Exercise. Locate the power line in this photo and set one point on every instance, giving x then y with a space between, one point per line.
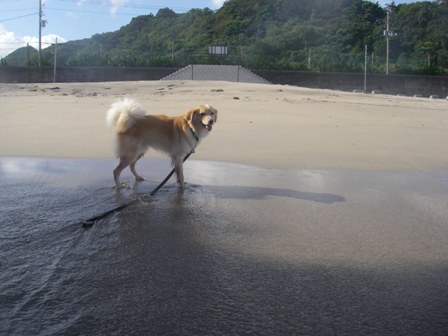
15 43
18 17
94 3
25 42
86 11
125 5
16 10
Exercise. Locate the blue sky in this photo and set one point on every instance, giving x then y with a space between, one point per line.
77 19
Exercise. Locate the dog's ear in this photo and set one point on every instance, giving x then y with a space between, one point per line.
194 111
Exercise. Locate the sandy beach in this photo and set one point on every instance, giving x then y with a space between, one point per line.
306 212
264 125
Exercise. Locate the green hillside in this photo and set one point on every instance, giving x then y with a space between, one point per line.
319 35
22 57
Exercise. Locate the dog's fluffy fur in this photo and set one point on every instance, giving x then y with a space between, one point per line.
176 136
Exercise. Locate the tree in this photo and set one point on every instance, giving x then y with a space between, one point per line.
358 26
166 12
274 34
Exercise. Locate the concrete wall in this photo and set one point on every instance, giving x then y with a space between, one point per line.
80 74
392 84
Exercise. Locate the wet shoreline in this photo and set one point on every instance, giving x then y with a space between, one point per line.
243 250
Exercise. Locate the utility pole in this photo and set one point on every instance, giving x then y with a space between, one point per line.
40 34
42 24
365 69
309 59
388 33
55 60
387 41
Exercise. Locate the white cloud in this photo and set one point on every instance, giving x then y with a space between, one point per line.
72 15
218 3
9 41
47 40
115 4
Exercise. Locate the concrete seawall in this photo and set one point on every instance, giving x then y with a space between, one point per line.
409 85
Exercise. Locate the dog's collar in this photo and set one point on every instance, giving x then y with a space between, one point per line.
194 134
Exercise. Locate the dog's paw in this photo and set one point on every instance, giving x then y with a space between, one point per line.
122 185
181 186
139 179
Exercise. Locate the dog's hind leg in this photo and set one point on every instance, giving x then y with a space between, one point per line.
124 162
134 172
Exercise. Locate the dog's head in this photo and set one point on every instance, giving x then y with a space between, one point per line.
203 116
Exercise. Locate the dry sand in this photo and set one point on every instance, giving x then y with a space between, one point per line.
271 126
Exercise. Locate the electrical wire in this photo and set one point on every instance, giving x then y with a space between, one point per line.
101 3
17 10
19 17
125 5
87 11
6 1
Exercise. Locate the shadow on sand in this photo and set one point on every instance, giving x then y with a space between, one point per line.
258 193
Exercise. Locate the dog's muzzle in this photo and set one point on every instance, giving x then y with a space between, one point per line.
208 126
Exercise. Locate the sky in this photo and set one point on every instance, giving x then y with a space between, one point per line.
68 20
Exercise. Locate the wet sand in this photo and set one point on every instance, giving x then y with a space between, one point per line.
269 252
340 229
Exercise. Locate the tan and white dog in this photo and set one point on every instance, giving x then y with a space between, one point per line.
176 136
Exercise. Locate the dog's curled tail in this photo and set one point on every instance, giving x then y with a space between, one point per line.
123 114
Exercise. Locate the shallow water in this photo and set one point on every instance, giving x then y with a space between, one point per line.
243 250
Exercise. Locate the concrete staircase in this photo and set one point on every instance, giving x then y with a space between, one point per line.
229 73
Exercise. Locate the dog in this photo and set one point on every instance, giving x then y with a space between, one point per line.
177 136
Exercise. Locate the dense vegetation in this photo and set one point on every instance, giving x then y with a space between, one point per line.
319 35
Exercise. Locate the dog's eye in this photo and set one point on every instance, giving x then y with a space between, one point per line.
212 113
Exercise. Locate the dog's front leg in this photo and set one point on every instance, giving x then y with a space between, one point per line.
179 169
124 162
